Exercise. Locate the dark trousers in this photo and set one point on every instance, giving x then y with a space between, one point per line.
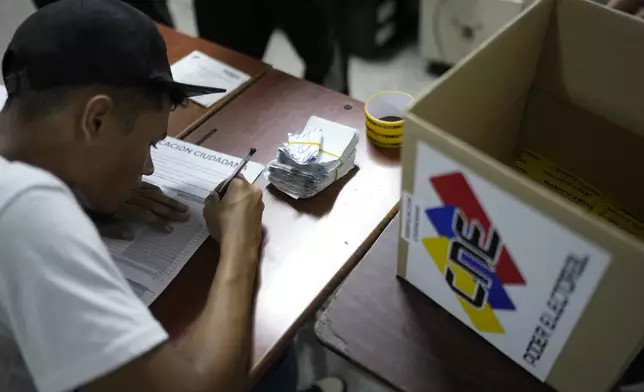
282 376
247 25
155 9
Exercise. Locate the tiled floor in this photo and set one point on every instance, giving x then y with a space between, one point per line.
404 72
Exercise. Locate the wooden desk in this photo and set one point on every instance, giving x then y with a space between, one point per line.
386 326
184 120
311 245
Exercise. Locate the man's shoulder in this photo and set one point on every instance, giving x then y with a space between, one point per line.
41 218
33 202
17 178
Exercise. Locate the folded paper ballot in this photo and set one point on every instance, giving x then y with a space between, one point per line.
313 159
304 147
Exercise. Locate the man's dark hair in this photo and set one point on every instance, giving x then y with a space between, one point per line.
128 101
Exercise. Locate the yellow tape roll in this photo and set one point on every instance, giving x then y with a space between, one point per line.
381 105
385 128
389 141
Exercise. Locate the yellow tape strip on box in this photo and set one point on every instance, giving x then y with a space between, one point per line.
578 191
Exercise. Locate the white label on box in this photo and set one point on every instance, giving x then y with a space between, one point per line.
518 278
407 211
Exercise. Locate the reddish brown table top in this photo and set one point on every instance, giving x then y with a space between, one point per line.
183 120
386 326
311 245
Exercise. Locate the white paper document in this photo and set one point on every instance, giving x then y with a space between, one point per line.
203 70
3 95
189 173
313 159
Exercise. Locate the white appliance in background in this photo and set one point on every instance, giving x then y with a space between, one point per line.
450 29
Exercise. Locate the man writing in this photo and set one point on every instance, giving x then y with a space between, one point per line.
89 93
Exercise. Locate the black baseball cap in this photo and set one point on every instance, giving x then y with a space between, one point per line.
86 42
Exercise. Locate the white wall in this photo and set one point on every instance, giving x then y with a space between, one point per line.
12 13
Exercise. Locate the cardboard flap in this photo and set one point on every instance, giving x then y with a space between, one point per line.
583 62
488 84
599 151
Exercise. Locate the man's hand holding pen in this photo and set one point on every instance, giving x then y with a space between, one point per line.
233 211
236 219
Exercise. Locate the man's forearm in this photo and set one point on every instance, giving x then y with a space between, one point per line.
219 342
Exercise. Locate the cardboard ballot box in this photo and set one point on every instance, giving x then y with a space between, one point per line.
550 284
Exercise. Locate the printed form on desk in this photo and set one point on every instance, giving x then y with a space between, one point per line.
200 69
188 173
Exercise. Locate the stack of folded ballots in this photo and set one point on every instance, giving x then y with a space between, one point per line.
310 161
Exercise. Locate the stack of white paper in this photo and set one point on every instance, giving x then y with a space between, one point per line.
312 160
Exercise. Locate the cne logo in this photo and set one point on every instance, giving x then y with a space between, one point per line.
470 253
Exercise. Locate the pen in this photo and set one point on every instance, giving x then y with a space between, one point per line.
223 187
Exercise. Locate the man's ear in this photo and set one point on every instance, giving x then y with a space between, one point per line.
95 116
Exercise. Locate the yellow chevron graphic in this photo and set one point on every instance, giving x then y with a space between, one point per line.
483 319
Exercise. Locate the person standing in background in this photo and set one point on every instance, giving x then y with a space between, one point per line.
247 25
157 10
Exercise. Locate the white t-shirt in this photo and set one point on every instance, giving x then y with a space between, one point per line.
67 315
